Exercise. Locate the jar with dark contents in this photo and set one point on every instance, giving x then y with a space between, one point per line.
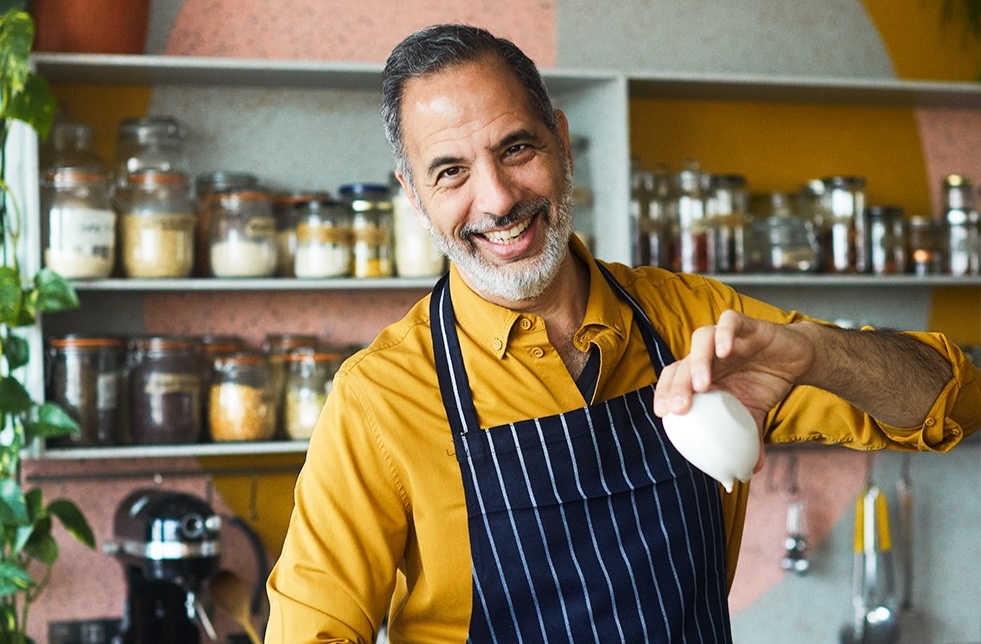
372 229
165 386
886 245
84 378
924 246
242 399
843 234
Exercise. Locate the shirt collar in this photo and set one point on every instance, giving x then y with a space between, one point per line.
490 325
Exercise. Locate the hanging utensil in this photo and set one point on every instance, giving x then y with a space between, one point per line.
795 544
904 495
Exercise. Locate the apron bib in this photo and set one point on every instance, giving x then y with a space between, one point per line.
586 526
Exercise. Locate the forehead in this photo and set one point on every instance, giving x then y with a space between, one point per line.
463 99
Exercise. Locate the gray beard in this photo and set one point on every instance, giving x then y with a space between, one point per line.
531 277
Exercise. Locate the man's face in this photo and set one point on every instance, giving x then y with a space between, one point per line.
493 183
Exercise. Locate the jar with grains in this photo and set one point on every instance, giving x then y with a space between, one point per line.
309 379
149 143
371 228
286 207
213 346
416 254
241 404
323 239
85 377
278 346
243 234
156 225
81 223
164 374
206 185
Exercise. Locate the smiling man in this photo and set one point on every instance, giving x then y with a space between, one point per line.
493 468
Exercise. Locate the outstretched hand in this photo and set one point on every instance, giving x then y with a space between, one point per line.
756 361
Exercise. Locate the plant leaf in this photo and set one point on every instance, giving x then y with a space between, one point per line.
34 105
16 39
73 520
13 578
42 545
14 399
13 505
16 350
55 293
49 421
11 296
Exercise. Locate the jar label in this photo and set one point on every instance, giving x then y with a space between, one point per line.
321 234
107 391
373 236
158 384
260 227
88 228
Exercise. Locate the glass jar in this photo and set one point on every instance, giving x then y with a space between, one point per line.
241 403
961 226
149 143
84 378
156 225
727 206
308 381
81 223
323 239
843 233
371 229
278 346
285 210
416 254
213 346
688 216
164 374
924 246
886 250
206 186
69 145
243 234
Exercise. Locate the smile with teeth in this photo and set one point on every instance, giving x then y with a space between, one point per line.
508 236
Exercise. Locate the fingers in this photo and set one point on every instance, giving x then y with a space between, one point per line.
694 373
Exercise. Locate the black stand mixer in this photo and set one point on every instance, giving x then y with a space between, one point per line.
169 545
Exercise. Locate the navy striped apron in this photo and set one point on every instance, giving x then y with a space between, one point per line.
586 526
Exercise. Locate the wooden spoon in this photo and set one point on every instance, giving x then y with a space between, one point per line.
230 595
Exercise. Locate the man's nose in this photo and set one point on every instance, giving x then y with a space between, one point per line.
496 190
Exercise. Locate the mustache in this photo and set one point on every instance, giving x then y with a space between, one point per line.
519 211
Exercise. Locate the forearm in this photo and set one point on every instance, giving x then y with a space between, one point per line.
888 375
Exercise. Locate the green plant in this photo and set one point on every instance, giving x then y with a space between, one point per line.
27 544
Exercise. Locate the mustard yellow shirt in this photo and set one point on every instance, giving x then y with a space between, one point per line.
379 524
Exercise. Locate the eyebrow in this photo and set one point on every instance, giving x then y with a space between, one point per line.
518 136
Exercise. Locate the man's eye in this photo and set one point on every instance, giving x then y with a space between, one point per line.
449 174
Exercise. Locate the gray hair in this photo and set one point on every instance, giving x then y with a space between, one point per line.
435 48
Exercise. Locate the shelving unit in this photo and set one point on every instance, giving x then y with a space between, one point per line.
338 103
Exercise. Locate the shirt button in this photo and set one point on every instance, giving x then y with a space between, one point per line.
497 344
525 324
537 352
930 422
